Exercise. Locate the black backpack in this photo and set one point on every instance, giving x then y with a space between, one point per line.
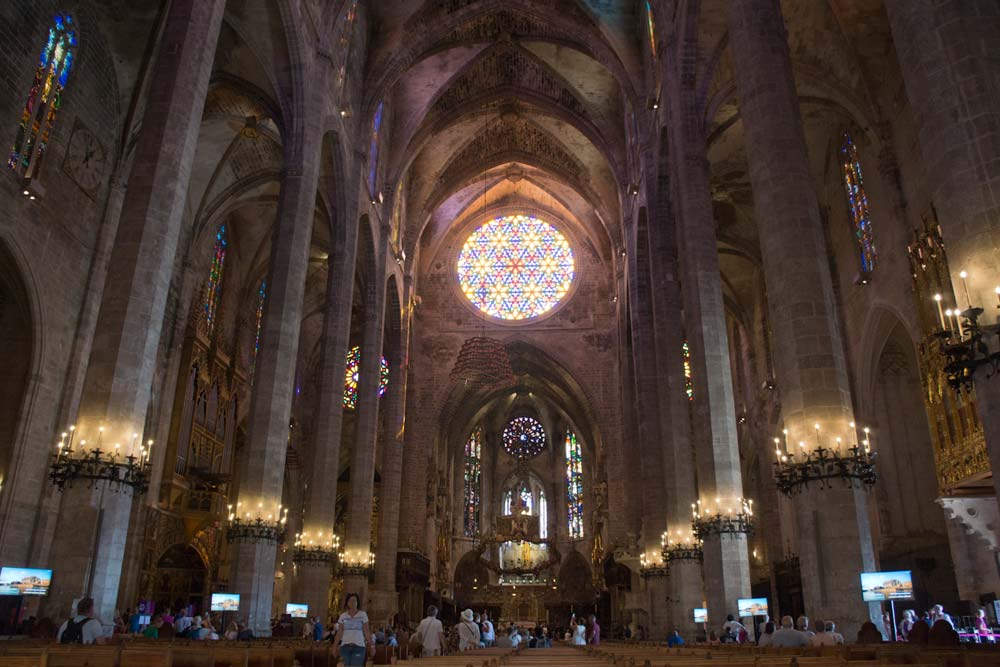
73 634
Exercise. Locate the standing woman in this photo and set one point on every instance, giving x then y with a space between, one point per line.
353 633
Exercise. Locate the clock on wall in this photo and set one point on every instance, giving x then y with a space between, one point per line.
85 159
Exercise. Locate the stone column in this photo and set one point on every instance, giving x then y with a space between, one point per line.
384 598
726 566
835 542
261 484
312 579
650 446
92 527
359 509
685 591
947 53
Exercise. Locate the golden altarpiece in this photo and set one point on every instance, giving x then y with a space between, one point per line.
960 455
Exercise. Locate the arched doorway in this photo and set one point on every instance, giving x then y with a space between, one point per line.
181 578
17 345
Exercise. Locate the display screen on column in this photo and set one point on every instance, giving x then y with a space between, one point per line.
700 615
24 581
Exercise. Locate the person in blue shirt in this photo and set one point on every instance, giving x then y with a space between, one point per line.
675 640
317 630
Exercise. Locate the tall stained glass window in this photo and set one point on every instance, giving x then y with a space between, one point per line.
352 375
213 290
528 499
574 485
543 516
857 204
374 147
651 28
515 267
344 40
44 97
258 323
688 382
508 502
473 479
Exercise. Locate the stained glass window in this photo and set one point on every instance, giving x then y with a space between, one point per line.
213 291
688 382
44 98
651 28
353 373
508 502
857 204
473 474
524 438
574 485
528 499
373 149
258 323
543 516
515 267
344 39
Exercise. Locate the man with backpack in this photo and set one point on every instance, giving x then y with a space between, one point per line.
82 628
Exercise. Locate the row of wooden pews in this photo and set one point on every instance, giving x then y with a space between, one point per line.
180 653
848 655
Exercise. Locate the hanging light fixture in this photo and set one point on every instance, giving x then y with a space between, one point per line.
483 362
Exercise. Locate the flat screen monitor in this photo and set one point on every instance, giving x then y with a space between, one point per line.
752 607
297 610
225 601
700 615
883 586
24 581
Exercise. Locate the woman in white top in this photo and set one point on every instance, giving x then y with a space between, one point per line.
579 634
352 633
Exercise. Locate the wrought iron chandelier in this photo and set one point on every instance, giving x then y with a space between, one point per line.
483 363
311 549
97 465
257 527
855 466
968 350
684 548
356 564
651 568
723 519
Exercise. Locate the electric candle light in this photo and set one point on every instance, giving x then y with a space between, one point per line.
965 285
937 298
996 290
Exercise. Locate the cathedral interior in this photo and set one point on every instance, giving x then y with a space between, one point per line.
624 307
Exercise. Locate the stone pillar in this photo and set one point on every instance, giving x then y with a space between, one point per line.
261 483
93 524
312 579
685 590
384 598
835 542
640 308
726 566
947 54
359 509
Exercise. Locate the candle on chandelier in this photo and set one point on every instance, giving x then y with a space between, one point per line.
816 426
996 290
937 298
965 285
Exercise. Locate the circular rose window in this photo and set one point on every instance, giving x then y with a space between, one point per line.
515 267
524 438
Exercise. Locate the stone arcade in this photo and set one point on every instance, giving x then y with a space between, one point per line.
626 307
